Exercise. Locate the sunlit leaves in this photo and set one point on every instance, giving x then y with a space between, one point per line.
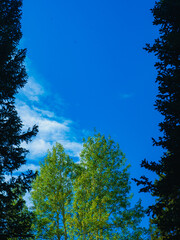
52 193
101 206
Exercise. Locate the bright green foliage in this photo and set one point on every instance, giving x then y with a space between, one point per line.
101 206
52 193
86 200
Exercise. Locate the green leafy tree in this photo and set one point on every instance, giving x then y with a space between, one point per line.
101 205
14 220
52 194
166 188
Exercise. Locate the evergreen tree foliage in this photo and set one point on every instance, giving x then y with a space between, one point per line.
166 189
15 220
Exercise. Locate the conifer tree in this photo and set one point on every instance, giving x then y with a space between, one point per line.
166 188
15 220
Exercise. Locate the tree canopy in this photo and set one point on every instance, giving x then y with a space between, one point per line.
166 188
52 194
101 207
86 200
15 220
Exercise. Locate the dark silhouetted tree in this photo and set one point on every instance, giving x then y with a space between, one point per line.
15 220
166 189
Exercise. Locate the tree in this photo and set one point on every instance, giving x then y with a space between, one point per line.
166 188
52 194
15 221
101 205
86 200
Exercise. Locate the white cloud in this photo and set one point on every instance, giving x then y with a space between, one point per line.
74 148
37 148
28 200
50 132
44 112
26 167
52 128
33 90
7 177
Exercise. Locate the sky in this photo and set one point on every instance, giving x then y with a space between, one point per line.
87 69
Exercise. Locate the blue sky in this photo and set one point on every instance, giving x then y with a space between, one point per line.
87 70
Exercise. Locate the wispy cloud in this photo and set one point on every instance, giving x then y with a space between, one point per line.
52 127
26 167
45 112
50 132
32 90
